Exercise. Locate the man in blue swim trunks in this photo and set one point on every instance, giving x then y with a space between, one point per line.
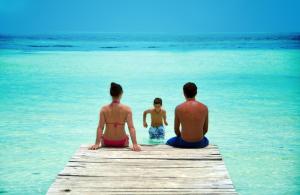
192 116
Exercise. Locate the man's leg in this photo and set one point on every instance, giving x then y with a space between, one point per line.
203 143
180 143
174 141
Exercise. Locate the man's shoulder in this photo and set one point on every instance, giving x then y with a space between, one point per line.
203 105
180 106
184 105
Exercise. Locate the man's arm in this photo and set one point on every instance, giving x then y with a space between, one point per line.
205 127
165 117
144 118
131 128
177 124
99 131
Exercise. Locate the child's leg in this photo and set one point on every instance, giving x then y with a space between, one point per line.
161 132
152 132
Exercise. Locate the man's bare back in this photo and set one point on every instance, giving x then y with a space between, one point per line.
193 118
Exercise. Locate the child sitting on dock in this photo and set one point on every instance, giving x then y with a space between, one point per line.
158 118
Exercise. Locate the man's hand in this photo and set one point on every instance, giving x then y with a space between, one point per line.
136 147
145 124
178 133
94 147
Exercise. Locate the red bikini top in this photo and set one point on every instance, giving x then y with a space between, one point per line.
115 123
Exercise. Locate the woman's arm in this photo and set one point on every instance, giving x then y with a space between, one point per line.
131 128
99 131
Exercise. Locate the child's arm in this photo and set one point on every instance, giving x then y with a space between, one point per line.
165 117
144 117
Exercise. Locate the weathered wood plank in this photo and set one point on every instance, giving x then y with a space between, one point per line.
151 147
147 163
110 189
144 184
158 169
169 192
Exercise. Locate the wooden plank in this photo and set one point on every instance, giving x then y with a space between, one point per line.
93 191
144 184
130 178
151 147
109 189
176 156
146 163
158 169
149 152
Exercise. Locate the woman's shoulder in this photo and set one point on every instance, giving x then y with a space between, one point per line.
105 107
125 107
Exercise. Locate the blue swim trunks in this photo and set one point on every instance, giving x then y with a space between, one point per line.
178 142
157 132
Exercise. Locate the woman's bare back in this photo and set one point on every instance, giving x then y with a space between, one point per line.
115 116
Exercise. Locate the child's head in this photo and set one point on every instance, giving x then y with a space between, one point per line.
157 103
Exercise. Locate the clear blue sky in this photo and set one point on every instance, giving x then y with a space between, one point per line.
168 16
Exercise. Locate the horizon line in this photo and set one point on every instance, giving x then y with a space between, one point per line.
120 32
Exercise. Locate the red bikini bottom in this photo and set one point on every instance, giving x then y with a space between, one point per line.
115 143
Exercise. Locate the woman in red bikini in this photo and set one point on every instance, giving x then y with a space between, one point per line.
113 117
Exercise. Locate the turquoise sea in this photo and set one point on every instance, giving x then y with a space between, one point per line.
52 88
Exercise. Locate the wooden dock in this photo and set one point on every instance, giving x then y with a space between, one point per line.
158 169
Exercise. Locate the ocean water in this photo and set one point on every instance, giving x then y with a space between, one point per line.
52 88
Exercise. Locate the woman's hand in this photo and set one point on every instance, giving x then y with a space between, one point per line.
136 148
94 147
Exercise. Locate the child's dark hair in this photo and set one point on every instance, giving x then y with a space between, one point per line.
157 101
115 89
190 90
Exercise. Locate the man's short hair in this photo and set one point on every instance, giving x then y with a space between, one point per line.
157 101
115 89
190 90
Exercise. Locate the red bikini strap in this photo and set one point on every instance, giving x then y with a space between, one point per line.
116 101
